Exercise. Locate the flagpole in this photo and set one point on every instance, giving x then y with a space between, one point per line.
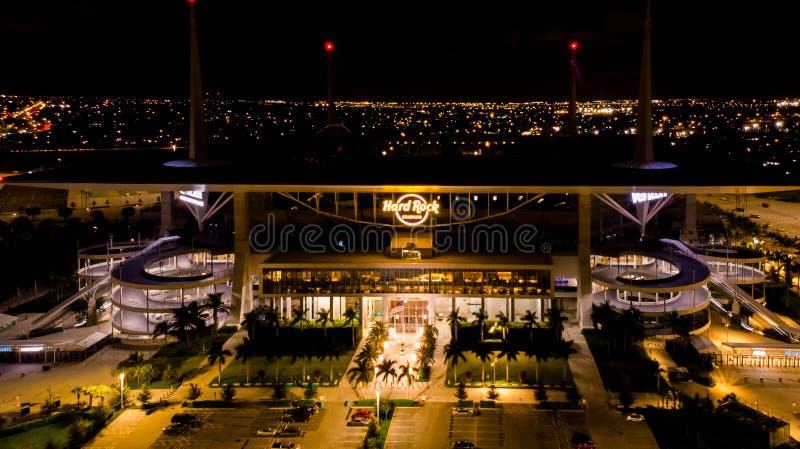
403 319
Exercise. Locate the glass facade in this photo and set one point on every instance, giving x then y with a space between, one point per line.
466 281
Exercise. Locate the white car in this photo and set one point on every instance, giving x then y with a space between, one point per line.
268 431
463 411
634 417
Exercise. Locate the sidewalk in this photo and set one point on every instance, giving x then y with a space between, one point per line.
606 426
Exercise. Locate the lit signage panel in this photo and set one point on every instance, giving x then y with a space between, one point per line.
192 197
642 197
411 209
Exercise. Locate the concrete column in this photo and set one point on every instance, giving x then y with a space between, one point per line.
689 233
242 290
167 214
583 313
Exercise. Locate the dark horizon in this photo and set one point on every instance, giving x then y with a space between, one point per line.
506 53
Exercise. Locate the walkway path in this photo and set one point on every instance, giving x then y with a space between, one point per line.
607 426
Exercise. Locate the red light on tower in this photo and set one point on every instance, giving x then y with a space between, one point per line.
191 2
573 45
329 46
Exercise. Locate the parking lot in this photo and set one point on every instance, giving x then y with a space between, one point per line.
234 428
514 425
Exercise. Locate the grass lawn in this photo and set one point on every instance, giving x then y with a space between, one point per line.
623 371
38 438
236 372
551 371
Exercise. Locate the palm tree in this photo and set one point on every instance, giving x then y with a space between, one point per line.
332 350
484 354
245 351
368 353
605 319
325 317
250 321
360 374
556 322
632 326
214 304
536 350
187 320
453 352
350 318
274 353
480 317
299 316
562 351
681 326
217 354
424 360
386 369
161 328
273 319
144 374
91 391
102 391
377 332
531 321
453 320
508 351
406 373
77 392
502 322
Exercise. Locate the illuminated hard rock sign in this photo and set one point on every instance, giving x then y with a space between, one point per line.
411 209
641 197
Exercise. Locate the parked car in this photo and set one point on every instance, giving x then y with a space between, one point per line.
269 431
175 428
463 444
358 422
361 414
187 419
291 432
581 440
284 445
463 411
634 417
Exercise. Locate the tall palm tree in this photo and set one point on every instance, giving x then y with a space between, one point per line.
423 359
274 353
378 331
77 392
350 318
216 354
246 350
272 319
214 304
480 317
299 316
453 352
508 351
325 317
331 350
361 373
453 320
531 321
102 391
632 325
162 328
406 373
555 320
537 351
502 322
605 319
187 321
562 351
386 369
251 320
484 354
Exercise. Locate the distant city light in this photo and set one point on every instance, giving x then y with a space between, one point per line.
329 46
573 45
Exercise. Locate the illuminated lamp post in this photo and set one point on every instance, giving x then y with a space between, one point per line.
122 381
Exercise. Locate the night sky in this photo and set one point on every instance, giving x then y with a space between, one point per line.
503 51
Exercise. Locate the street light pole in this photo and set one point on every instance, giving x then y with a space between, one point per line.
121 388
378 404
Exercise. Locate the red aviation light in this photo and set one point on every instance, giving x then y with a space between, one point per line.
329 46
191 2
573 45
